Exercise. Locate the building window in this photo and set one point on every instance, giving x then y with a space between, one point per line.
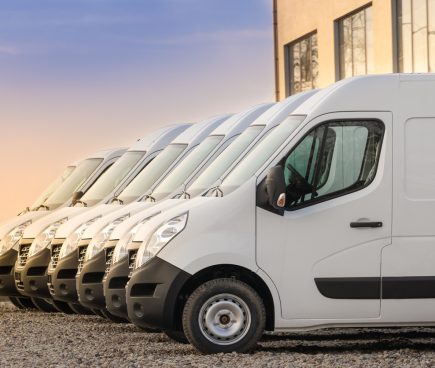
355 43
302 64
416 35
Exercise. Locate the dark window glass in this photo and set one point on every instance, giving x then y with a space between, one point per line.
355 38
334 158
416 35
303 66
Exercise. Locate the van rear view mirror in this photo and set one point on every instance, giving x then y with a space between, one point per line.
76 197
276 188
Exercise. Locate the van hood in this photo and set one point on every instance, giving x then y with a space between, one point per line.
40 225
145 211
116 213
12 223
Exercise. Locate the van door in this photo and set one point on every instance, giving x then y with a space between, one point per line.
324 252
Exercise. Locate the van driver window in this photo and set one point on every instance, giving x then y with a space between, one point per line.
333 159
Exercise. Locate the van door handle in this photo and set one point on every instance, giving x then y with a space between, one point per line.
360 224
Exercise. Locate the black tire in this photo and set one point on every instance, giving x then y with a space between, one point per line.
98 313
16 302
240 311
79 309
62 307
111 317
26 303
44 306
177 336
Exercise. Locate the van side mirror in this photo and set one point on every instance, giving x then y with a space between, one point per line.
276 187
76 197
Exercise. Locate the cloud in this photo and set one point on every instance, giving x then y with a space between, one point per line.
8 50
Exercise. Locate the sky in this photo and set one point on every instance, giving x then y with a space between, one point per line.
77 76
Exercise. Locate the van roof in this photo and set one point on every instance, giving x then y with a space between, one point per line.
197 132
380 92
279 111
159 139
237 123
108 153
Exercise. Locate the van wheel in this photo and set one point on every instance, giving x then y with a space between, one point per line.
44 306
224 315
26 303
16 302
62 307
177 336
79 309
111 317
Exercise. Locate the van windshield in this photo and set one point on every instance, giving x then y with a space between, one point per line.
260 154
223 162
73 183
152 172
187 167
53 186
107 182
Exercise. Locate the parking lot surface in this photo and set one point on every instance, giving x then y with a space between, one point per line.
36 339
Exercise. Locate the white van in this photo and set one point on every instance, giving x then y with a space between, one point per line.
11 232
33 256
302 235
117 263
74 228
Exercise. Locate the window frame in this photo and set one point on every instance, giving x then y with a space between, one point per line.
288 62
337 38
344 191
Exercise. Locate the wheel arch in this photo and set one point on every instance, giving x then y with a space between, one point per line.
226 271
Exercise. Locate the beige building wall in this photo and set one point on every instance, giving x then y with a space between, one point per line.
296 18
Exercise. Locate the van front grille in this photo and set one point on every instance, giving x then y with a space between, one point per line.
109 257
132 254
55 251
23 253
82 253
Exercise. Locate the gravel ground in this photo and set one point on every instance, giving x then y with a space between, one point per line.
35 339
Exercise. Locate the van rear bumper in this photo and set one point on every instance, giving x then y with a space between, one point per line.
152 294
114 288
7 281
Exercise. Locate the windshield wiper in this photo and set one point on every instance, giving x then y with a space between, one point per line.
42 206
215 192
148 196
116 199
27 209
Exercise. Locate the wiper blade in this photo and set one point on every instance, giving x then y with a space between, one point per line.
116 199
148 196
215 192
42 206
27 209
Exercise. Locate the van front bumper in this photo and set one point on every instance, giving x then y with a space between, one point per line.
31 279
89 282
62 279
152 294
7 281
114 288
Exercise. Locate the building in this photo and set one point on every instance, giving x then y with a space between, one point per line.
318 42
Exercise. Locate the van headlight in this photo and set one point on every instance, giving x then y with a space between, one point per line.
99 241
161 236
121 248
72 241
14 236
43 240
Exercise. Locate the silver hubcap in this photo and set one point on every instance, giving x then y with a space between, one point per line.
224 319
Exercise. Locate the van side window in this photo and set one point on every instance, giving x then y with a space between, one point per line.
333 159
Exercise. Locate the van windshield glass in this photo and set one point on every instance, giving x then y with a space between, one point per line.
152 172
53 186
223 162
73 183
107 182
187 167
260 154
